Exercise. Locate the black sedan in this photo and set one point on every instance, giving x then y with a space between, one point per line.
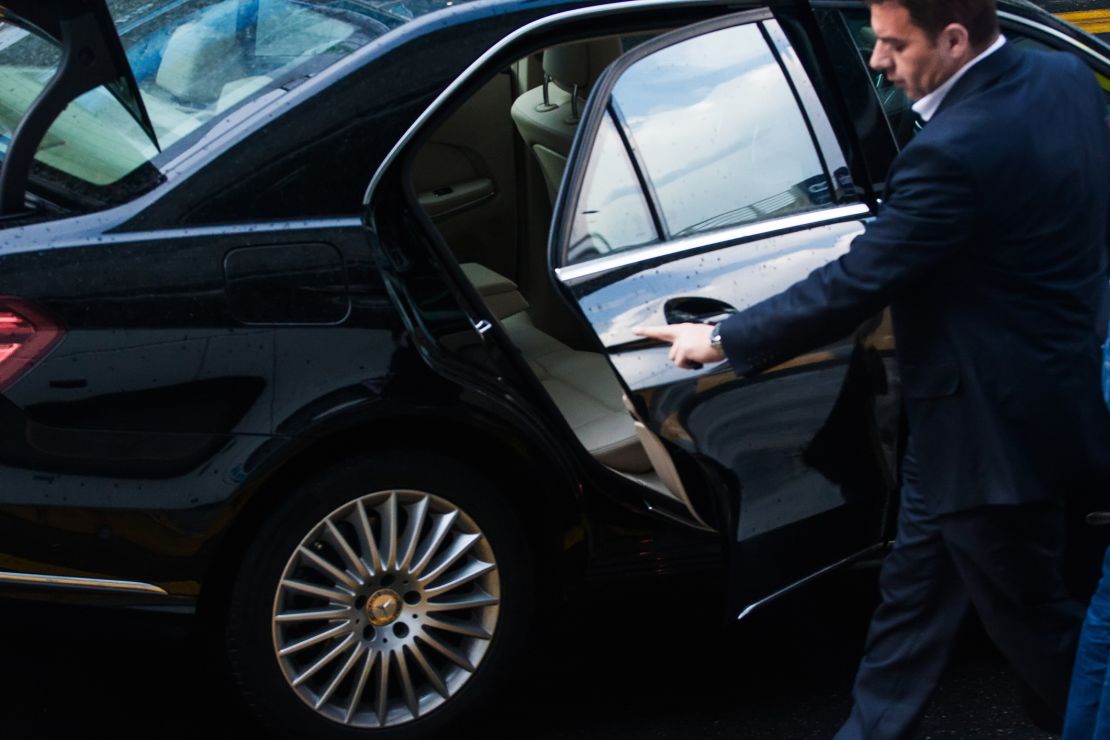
316 321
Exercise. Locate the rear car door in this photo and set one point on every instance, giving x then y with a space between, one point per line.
705 177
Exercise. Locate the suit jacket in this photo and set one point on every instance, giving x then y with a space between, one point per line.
991 249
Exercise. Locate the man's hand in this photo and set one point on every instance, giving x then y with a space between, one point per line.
690 346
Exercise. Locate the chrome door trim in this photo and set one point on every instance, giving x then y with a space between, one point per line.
551 20
88 584
571 274
813 576
1029 23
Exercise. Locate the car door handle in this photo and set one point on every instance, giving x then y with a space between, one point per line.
456 196
696 310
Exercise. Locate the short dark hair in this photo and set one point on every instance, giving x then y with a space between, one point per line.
979 17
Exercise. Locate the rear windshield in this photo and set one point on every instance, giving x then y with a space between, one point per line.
193 60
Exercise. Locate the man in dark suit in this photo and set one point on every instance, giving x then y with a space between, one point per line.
991 249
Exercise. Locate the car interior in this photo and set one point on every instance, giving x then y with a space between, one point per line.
223 54
488 178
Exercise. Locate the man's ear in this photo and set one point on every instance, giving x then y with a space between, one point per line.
955 40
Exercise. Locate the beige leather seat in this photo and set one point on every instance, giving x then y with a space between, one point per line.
196 64
547 116
580 383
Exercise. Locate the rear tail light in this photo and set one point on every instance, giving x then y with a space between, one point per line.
27 334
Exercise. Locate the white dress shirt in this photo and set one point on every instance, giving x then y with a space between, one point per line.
927 106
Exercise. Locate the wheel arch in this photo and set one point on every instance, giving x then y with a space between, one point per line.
543 493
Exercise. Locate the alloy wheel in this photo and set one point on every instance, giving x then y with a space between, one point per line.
386 608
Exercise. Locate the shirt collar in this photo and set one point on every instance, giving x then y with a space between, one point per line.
927 106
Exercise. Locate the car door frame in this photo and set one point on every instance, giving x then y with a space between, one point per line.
544 31
826 144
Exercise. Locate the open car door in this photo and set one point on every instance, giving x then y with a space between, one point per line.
91 56
705 177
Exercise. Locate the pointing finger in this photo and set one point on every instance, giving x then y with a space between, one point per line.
662 333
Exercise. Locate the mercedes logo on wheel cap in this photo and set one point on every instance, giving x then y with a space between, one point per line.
383 607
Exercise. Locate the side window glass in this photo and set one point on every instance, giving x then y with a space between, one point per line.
612 212
27 63
96 140
856 84
719 133
896 106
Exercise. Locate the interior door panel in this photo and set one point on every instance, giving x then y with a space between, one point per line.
464 177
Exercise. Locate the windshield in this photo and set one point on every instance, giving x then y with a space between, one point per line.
193 61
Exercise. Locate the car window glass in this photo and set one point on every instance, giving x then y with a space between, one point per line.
193 60
96 140
720 133
26 64
612 212
860 103
196 59
895 104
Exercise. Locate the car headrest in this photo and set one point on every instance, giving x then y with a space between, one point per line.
194 62
580 63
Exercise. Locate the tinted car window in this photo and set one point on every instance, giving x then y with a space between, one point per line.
193 60
720 133
860 103
612 211
199 58
896 106
24 60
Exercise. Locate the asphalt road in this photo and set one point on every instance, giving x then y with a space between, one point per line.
635 666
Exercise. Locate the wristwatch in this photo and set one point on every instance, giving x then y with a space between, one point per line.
715 338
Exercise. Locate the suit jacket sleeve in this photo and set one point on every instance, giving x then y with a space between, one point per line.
926 220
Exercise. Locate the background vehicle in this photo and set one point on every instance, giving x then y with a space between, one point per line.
1093 16
372 442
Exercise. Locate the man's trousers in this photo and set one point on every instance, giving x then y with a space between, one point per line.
1006 563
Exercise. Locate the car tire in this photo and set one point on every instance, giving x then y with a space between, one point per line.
415 636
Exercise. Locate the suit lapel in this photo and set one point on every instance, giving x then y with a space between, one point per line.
982 75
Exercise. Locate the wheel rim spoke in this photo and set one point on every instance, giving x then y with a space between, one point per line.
466 574
438 534
325 567
381 706
316 639
356 696
367 541
342 674
409 540
462 601
332 595
455 551
386 608
340 541
411 699
429 670
448 652
314 615
459 628
389 532
328 658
